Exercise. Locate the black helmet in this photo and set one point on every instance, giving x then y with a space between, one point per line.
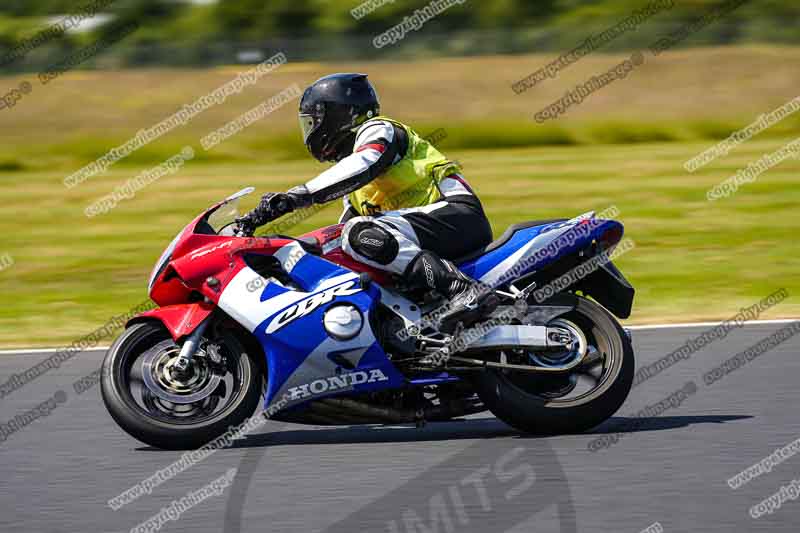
330 111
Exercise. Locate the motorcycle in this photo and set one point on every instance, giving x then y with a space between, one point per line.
326 340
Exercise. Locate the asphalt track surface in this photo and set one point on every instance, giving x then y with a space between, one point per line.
476 475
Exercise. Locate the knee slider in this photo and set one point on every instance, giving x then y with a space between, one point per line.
373 242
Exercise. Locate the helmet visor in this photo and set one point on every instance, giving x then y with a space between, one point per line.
306 126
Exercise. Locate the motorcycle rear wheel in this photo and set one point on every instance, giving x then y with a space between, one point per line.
536 404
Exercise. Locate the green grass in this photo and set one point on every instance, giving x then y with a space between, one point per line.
682 96
693 260
625 146
460 135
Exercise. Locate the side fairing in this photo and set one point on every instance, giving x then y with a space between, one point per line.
304 362
532 248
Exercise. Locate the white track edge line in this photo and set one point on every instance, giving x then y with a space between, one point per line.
711 324
638 327
46 350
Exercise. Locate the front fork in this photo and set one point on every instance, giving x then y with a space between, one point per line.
189 348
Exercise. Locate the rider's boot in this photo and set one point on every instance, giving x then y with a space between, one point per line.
468 301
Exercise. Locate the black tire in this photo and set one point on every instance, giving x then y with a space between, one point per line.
156 431
531 413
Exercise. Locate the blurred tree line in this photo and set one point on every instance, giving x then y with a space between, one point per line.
195 32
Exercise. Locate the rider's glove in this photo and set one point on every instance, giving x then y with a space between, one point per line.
274 205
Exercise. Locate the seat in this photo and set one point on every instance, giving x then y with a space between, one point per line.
504 238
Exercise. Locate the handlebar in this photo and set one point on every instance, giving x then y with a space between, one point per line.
240 229
272 207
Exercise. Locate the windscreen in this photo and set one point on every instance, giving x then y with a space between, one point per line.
221 220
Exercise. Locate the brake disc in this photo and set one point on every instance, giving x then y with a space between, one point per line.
162 378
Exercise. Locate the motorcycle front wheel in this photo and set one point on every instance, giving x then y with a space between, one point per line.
156 404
